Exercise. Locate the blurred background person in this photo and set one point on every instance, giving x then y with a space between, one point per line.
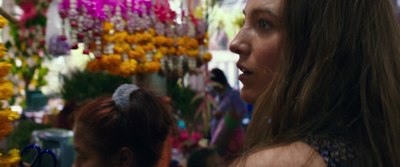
227 132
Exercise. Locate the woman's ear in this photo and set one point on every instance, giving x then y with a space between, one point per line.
125 157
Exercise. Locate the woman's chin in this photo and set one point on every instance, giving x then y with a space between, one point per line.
248 96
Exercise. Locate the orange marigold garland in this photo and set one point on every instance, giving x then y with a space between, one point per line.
6 115
146 37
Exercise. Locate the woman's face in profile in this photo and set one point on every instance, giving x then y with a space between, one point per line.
258 44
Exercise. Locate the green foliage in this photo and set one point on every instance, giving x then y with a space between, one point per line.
182 101
203 111
83 85
21 135
194 108
35 73
39 19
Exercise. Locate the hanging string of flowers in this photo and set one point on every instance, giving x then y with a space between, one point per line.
6 115
127 37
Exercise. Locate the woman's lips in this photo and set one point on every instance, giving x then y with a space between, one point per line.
244 76
245 73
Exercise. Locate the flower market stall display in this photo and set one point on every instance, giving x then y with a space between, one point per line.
27 49
6 115
128 37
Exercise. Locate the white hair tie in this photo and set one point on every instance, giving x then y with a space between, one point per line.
122 94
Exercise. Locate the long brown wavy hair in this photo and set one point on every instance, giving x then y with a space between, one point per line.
339 74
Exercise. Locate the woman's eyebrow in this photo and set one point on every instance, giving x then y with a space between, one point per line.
262 10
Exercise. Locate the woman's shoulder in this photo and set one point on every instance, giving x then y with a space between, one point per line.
295 154
334 149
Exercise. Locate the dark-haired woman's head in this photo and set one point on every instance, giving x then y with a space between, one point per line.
109 133
220 83
217 75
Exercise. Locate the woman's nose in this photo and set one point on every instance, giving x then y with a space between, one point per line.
240 44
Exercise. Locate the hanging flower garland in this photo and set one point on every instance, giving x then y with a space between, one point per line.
6 115
127 37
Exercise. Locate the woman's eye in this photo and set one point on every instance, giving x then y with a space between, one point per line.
263 24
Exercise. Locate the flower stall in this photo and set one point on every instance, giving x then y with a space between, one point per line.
125 41
141 38
129 37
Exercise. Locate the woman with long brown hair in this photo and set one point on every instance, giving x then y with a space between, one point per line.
324 76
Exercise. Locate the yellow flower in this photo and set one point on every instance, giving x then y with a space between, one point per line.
147 36
170 41
131 38
11 160
152 32
6 89
207 57
181 41
138 53
13 116
158 56
118 49
198 12
133 54
3 50
160 40
111 62
120 36
140 49
126 47
193 43
163 50
93 66
3 22
139 37
128 67
7 115
152 66
4 69
181 50
108 37
149 47
107 26
193 53
171 51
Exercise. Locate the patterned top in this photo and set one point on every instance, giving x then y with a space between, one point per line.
336 151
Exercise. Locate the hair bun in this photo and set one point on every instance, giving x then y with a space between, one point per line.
121 95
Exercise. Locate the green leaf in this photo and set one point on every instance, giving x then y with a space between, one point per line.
21 135
82 85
